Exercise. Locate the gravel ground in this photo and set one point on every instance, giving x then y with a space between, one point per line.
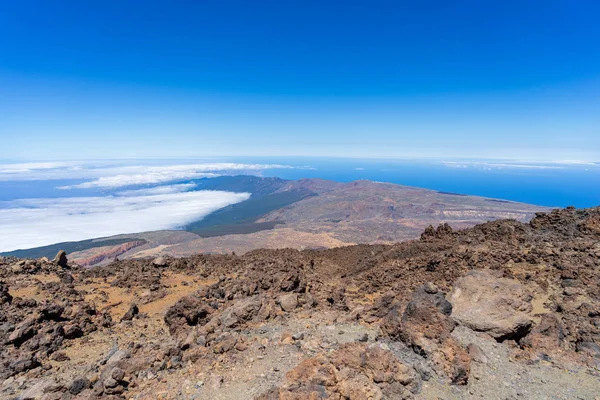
501 378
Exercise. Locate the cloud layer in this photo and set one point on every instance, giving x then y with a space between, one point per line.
162 202
30 223
114 175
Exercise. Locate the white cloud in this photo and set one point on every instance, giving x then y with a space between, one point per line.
143 175
22 168
486 165
113 174
30 223
168 189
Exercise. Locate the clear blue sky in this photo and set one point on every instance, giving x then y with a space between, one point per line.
514 79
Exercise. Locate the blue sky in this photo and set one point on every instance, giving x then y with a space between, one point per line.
116 79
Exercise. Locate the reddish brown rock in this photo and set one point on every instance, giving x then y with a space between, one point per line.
426 327
188 311
545 341
355 371
498 306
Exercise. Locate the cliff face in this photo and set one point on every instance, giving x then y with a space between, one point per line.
498 310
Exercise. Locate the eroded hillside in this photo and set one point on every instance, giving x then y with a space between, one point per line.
502 310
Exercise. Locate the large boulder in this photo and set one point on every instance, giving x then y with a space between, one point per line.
160 261
241 312
355 371
288 302
425 326
23 332
187 311
61 259
545 341
500 307
5 296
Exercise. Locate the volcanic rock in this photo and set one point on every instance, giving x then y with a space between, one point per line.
242 311
132 312
355 371
79 385
288 302
160 261
546 339
426 327
61 259
5 297
23 332
188 311
500 307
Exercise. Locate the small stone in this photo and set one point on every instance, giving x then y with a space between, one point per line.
117 374
430 288
72 331
288 302
160 261
59 356
132 312
79 385
477 354
110 383
287 338
241 346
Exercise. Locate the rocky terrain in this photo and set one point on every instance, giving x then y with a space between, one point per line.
502 310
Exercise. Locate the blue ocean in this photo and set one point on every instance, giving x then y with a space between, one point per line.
546 184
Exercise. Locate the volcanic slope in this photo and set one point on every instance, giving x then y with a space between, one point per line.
501 310
309 213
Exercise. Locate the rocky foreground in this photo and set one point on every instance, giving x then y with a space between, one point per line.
504 310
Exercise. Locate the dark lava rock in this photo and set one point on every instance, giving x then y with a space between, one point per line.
61 259
589 348
24 364
79 385
132 312
426 327
23 332
188 311
51 312
73 331
5 297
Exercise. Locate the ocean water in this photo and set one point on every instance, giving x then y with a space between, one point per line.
546 184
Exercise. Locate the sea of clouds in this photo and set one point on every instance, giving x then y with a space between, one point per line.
138 198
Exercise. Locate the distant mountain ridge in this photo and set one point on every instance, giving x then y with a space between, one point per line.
305 213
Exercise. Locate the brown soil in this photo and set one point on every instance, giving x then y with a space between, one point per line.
292 324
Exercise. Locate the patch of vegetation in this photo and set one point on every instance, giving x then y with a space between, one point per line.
70 247
242 183
237 228
498 201
452 194
241 217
